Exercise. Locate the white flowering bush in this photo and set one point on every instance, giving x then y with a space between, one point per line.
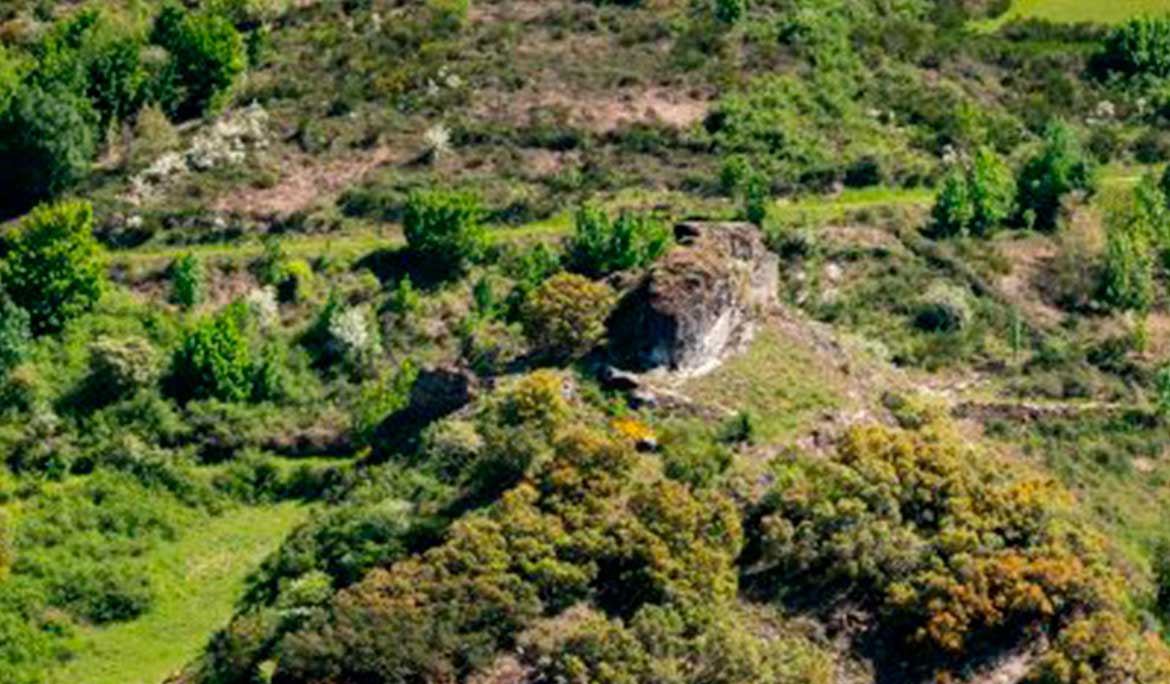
226 142
437 140
352 334
263 305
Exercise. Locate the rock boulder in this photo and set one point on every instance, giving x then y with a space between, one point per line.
699 302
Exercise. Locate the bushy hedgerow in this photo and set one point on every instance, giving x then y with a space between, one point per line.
601 245
565 316
1061 167
953 551
54 269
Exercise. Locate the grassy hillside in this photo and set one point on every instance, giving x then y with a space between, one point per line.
202 575
326 342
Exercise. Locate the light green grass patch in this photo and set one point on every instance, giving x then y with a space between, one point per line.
837 207
1072 11
778 381
197 579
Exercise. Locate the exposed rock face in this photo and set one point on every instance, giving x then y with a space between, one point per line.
700 301
437 393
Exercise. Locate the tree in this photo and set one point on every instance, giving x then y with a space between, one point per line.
601 245
54 269
1059 168
117 77
46 144
444 229
565 316
207 54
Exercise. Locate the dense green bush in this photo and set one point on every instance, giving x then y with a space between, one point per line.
214 359
207 54
102 592
118 80
186 275
975 198
602 245
1058 169
1137 235
565 317
47 141
54 267
1138 47
15 334
444 229
120 367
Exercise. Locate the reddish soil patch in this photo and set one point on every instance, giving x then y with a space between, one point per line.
305 183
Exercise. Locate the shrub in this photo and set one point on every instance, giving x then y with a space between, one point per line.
565 317
955 549
1060 167
207 54
213 360
54 269
186 274
583 529
601 245
729 11
976 198
154 135
118 367
102 592
943 308
47 142
1128 270
15 334
444 230
380 398
529 269
1140 46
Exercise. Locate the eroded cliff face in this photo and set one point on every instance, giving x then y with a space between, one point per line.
700 302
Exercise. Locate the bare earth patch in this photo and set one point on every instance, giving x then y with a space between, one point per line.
1030 258
600 112
304 184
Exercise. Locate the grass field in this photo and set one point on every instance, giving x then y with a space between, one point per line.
198 579
1103 11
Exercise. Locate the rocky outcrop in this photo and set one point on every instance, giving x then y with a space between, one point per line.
436 393
699 302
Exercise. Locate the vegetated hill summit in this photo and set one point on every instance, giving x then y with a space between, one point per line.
672 341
